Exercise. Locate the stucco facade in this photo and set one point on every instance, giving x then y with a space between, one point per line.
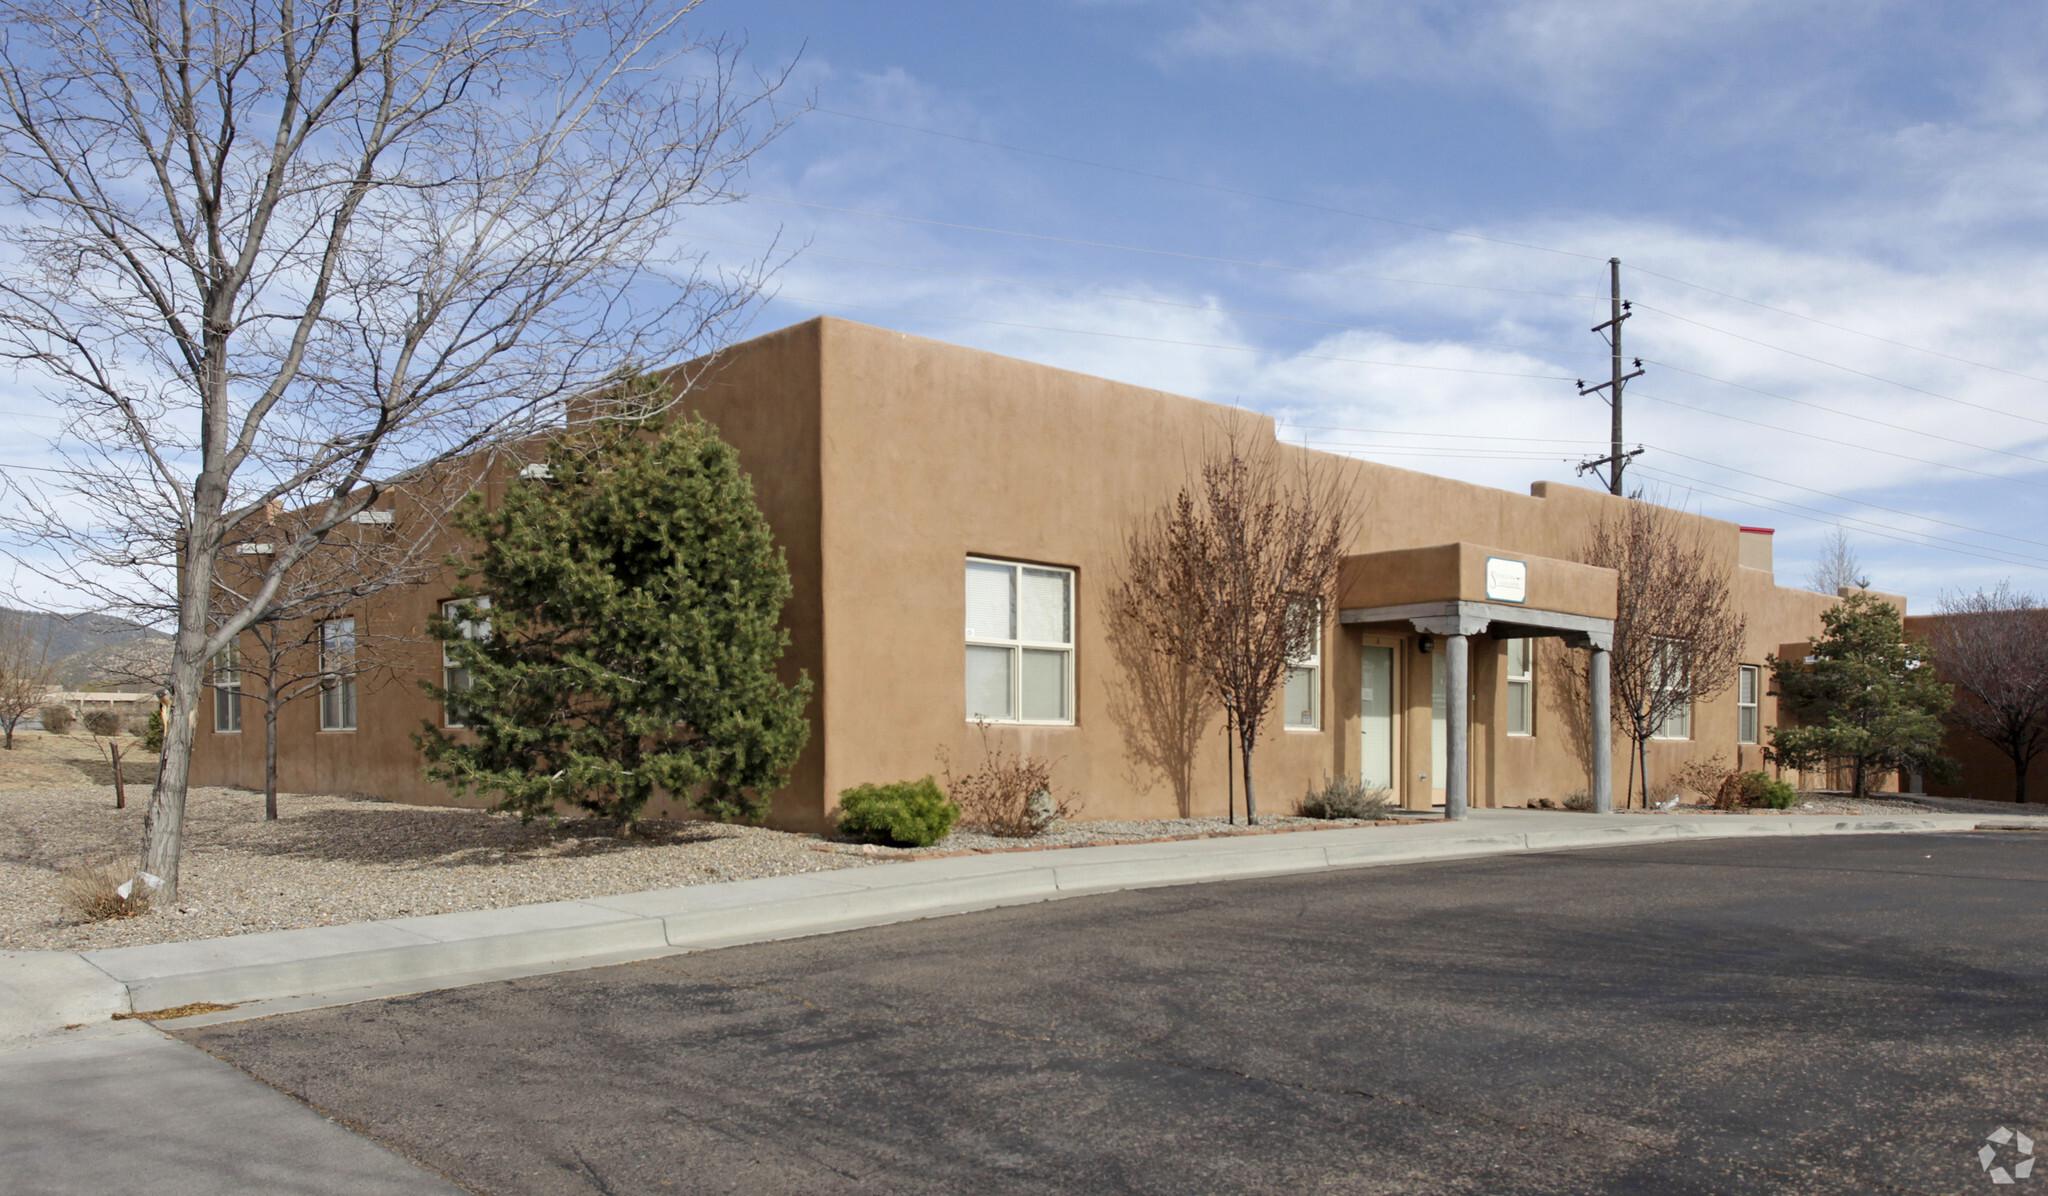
885 462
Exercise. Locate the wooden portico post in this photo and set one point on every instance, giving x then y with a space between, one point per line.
1603 732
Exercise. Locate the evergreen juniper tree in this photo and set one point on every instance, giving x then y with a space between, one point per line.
620 634
1869 697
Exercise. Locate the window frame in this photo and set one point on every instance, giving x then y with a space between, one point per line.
1521 687
1017 645
477 630
1666 683
338 706
1753 709
227 689
1310 665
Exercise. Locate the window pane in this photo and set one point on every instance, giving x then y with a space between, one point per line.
1746 679
988 682
1518 708
991 605
1518 658
1302 686
1046 609
1045 685
1746 724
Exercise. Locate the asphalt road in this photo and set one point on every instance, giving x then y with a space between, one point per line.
1807 1015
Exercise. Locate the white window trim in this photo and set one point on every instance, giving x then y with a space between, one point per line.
480 629
1755 705
227 690
1661 733
1312 664
1018 647
336 679
1526 679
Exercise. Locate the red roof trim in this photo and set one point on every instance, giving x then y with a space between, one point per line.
1761 531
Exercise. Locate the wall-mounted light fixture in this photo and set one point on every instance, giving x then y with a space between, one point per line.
1427 644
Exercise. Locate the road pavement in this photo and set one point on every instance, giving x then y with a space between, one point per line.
1787 1015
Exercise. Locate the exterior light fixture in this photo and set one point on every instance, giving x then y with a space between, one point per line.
1427 643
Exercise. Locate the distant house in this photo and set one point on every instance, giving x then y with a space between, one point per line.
950 518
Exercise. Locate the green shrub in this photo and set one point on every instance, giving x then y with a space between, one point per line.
906 814
56 719
1746 790
1773 794
153 731
1345 797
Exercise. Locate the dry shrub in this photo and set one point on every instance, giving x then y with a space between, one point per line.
1704 777
92 892
1346 797
103 723
56 718
1011 795
1579 801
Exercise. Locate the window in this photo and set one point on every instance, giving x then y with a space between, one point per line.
1668 674
227 690
1748 711
1020 642
338 675
455 678
1304 693
1521 670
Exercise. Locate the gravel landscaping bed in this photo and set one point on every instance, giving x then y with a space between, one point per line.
1840 803
1097 834
350 859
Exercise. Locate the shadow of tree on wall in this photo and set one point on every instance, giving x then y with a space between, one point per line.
1569 702
1163 707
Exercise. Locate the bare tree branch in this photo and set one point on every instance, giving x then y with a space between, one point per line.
1993 646
299 253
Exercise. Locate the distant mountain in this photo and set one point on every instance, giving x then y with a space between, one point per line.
100 651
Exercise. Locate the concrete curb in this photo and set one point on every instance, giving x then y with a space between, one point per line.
44 991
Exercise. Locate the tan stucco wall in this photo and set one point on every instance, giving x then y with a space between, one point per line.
883 461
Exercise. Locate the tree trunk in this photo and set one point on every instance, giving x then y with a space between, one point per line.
120 787
1856 780
2019 779
1229 777
270 754
163 828
1643 754
1244 754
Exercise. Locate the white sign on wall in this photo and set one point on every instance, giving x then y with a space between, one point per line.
1506 580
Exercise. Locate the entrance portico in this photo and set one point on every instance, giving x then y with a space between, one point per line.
1453 592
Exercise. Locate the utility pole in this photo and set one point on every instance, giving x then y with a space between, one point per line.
1616 460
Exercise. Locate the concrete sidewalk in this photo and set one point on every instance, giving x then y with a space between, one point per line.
125 1107
41 992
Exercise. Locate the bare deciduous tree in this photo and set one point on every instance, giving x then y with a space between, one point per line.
301 253
1839 568
1677 634
1235 577
341 577
25 670
1993 646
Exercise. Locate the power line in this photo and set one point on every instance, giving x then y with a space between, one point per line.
1676 453
1847 369
1868 419
1997 369
1194 257
1844 443
1782 506
1450 232
1175 303
1159 340
1217 187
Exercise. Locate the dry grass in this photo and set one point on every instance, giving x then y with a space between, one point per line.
157 1015
41 760
92 892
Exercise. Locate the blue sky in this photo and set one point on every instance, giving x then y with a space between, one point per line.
1875 167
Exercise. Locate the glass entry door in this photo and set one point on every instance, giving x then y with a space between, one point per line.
1376 718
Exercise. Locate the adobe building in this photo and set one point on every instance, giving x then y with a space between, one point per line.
951 519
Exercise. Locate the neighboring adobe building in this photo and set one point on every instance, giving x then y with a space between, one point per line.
950 518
